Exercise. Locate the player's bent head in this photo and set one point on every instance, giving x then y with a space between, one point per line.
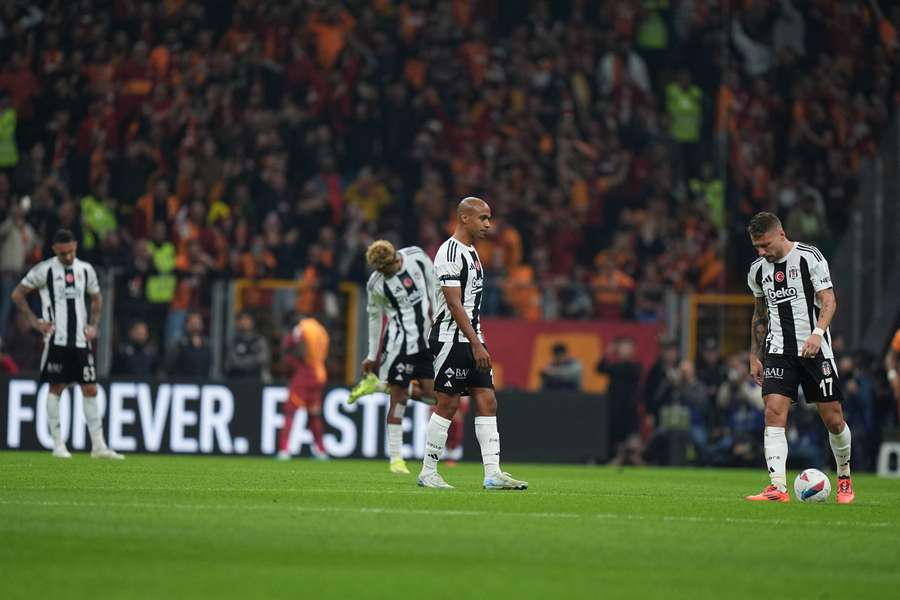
381 254
762 223
64 245
767 236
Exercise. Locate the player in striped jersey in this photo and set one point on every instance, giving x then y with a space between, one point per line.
461 360
791 346
68 332
402 287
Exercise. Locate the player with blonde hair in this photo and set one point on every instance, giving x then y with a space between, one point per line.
400 292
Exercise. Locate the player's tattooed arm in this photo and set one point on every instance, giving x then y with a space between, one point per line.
18 297
829 307
94 321
760 329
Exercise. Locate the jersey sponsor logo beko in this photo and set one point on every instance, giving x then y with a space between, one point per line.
774 373
782 295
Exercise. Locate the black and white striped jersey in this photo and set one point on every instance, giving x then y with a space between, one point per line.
790 287
407 297
457 265
62 291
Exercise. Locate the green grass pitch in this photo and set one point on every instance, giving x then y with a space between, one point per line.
178 527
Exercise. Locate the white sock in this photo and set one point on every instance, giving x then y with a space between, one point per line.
395 440
775 444
435 440
53 419
840 446
489 440
94 422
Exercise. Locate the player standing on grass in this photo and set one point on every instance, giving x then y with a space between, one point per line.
403 287
305 350
791 345
68 333
461 361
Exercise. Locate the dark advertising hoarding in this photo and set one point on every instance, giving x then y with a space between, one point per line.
244 419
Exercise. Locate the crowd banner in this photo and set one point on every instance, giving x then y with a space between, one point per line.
244 418
521 349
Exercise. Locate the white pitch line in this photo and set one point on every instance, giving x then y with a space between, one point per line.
456 513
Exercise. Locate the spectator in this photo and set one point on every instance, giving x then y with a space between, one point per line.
710 367
563 372
661 374
18 242
369 194
624 374
191 355
136 357
9 151
248 354
684 103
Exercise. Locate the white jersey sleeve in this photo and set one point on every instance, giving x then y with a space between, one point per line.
820 276
448 265
36 278
375 309
92 285
751 279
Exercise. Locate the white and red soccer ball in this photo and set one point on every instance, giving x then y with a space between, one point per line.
812 485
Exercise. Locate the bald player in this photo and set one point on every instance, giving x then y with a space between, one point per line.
461 360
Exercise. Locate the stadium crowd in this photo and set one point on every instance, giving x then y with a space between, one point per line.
619 143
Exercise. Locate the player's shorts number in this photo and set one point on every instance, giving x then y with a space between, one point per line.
827 386
89 373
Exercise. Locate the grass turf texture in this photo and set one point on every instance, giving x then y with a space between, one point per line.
161 527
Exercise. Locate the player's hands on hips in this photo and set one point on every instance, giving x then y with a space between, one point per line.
90 332
482 358
811 346
756 369
368 366
45 327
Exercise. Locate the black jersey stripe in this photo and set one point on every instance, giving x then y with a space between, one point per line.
52 293
398 315
463 282
785 312
808 293
71 313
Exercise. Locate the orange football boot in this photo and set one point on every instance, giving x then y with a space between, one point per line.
770 494
845 494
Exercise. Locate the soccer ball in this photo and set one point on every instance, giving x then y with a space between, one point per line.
812 485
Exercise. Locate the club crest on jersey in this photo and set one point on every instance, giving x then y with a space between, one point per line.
779 276
826 369
794 273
